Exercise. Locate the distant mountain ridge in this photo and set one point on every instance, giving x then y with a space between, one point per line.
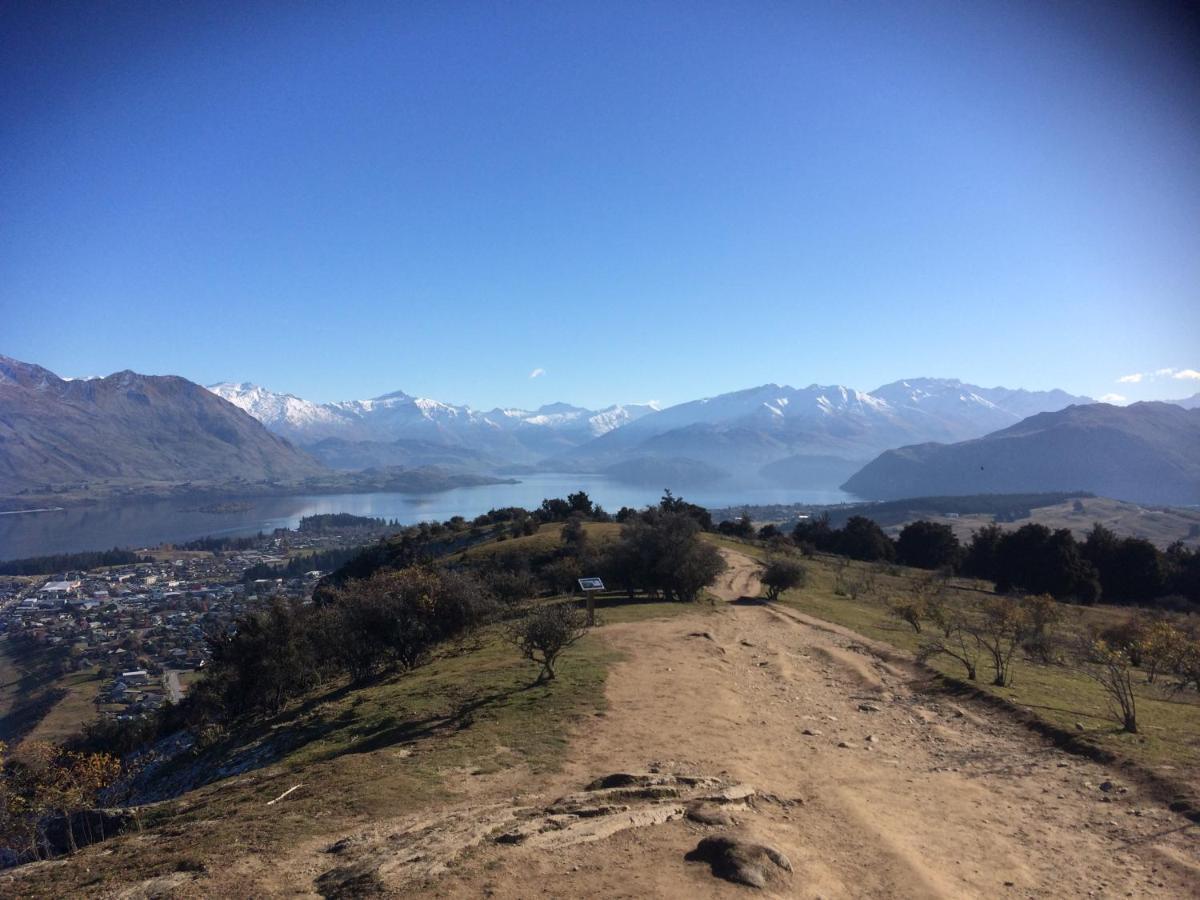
1144 453
817 430
498 435
772 433
130 428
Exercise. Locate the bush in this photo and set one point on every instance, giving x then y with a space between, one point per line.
782 574
543 634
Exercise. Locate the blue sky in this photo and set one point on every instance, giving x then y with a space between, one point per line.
642 201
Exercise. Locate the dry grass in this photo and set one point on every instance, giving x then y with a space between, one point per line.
365 755
1169 741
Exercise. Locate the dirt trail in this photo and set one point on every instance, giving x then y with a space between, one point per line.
867 786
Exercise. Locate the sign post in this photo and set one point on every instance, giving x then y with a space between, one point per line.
589 586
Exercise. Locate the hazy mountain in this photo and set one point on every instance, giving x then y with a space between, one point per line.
820 430
1146 452
501 435
964 411
1192 402
130 428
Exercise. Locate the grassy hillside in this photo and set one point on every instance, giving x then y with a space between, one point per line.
1170 726
455 727
545 541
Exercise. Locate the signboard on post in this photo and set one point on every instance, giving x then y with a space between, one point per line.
588 586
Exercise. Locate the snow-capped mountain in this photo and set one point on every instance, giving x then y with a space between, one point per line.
957 411
805 432
501 435
821 428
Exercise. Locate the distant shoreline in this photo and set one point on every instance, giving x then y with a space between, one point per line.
415 483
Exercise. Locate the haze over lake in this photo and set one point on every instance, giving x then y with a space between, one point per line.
174 521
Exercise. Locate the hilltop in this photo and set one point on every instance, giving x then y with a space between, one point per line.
803 725
1146 452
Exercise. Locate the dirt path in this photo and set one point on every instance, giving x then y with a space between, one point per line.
867 786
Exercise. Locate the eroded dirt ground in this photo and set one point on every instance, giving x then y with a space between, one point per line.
756 722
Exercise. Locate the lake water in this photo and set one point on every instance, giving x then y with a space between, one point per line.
147 524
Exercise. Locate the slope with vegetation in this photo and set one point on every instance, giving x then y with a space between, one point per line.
441 720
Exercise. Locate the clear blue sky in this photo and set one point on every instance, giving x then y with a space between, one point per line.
646 200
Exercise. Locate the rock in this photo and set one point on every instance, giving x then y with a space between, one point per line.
1107 786
1079 726
843 745
740 861
871 739
811 732
868 707
709 814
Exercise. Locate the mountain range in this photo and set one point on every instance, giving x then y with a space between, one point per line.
799 437
130 428
909 437
1145 453
398 428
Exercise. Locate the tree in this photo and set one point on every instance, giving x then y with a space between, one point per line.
981 559
546 632
574 535
1160 647
1035 559
927 545
672 504
782 574
999 630
955 641
1112 669
863 539
662 552
580 503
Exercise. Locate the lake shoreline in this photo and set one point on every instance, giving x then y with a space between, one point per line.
142 522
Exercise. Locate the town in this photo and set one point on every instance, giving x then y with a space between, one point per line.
140 632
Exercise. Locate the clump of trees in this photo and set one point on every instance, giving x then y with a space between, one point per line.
388 622
43 782
1031 559
995 628
659 551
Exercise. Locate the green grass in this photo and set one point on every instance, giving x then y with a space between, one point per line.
544 541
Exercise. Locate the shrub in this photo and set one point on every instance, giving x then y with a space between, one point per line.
543 634
782 574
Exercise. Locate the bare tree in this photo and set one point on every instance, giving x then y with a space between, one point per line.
1112 670
954 640
999 629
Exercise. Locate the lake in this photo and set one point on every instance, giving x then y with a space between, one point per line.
146 524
